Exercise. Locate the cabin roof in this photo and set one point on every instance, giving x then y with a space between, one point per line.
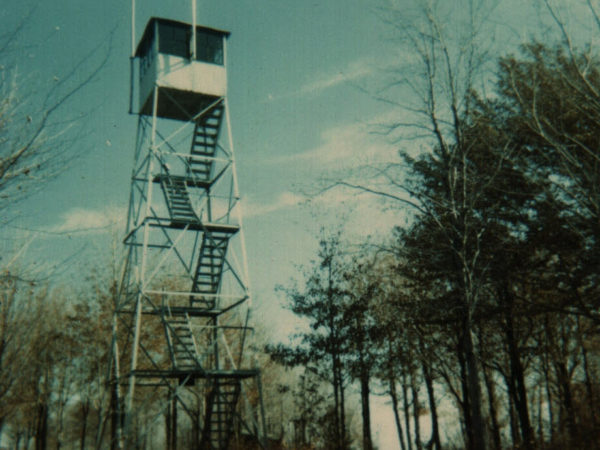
149 30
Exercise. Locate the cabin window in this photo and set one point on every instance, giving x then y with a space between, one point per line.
173 39
147 55
209 47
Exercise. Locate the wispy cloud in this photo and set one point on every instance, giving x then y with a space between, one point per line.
82 220
284 200
342 147
361 213
354 72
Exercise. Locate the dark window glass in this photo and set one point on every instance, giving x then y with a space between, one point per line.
146 55
209 47
174 39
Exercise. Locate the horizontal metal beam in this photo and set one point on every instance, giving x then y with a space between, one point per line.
198 373
190 310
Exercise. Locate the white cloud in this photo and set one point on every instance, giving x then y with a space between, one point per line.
284 200
361 213
80 220
356 70
343 147
353 72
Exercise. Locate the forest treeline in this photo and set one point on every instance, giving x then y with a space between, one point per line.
54 355
479 319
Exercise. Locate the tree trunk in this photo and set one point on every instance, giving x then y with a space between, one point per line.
491 394
416 412
342 412
466 402
567 411
514 428
540 415
406 411
366 410
41 432
336 401
518 377
566 399
101 420
338 388
588 377
434 441
548 387
477 419
394 397
85 408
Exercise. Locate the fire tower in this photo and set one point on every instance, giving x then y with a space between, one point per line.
181 323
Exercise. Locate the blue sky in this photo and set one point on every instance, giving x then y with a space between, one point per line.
297 113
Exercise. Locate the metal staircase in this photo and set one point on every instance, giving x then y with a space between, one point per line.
204 143
211 260
220 412
177 200
182 345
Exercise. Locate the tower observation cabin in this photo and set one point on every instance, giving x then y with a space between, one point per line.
188 68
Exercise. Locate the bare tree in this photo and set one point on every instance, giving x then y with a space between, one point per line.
37 131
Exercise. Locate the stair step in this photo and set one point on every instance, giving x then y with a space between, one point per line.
207 128
213 126
177 198
205 139
212 247
205 154
221 408
181 342
211 260
209 131
204 142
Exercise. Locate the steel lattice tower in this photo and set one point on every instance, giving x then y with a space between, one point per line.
181 324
